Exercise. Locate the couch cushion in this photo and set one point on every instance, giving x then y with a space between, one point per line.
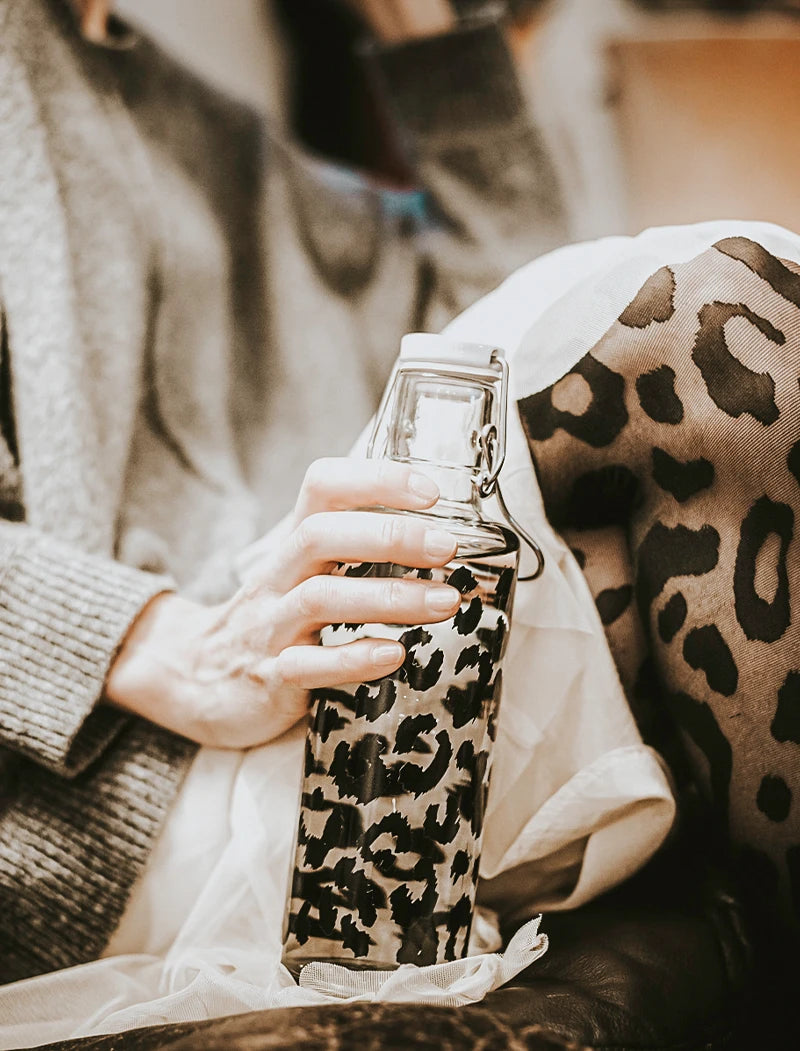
390 1027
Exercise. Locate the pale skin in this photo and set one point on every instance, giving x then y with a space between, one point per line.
93 15
236 675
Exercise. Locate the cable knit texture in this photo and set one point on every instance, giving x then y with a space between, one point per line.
159 375
64 615
70 855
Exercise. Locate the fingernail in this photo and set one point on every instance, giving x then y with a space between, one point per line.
441 599
439 544
387 653
420 485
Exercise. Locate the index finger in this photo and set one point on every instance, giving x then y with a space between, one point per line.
340 484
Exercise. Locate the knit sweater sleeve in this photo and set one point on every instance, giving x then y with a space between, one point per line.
471 134
63 617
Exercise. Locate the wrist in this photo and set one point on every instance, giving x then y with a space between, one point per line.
150 672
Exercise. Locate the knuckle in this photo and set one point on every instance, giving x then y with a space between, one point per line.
387 473
306 535
316 475
392 531
285 668
351 660
396 594
314 597
250 591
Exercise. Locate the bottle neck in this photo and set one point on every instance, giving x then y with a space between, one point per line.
436 424
458 494
459 509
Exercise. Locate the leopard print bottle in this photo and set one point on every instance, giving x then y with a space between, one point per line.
396 777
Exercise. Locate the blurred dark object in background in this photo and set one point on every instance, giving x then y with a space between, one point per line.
726 7
517 9
332 107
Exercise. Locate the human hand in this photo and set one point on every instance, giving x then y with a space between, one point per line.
392 23
238 674
93 15
405 19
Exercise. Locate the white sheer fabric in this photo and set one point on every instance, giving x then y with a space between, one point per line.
577 801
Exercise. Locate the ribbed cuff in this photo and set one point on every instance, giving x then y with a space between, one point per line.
70 851
63 616
460 81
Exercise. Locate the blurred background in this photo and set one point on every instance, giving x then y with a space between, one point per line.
653 111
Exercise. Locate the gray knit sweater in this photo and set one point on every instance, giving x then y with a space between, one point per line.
171 280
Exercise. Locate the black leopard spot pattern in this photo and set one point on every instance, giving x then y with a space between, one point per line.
601 498
733 387
613 602
774 798
657 395
672 617
680 478
655 301
598 425
397 777
704 648
760 618
786 724
793 460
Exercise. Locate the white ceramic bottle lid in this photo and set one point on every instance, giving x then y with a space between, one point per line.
425 346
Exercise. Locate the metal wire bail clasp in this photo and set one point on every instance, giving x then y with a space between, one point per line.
431 367
493 454
489 485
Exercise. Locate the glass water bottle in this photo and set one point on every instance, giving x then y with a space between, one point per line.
397 770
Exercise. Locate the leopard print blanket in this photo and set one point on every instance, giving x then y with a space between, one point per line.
669 457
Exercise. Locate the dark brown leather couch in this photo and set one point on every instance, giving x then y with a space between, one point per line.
665 963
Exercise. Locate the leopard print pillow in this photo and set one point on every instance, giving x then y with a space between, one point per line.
669 456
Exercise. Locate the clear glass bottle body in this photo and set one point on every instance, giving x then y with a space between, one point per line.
396 778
